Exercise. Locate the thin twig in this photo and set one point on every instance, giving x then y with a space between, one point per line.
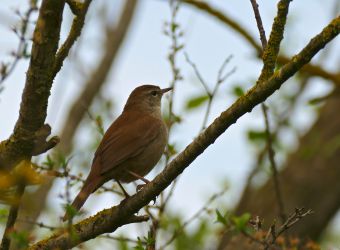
173 30
198 74
273 165
59 174
195 216
293 219
120 238
259 23
12 217
272 233
211 94
76 28
265 74
312 69
7 69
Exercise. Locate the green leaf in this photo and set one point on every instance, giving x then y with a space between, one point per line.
221 219
172 150
241 222
257 135
3 214
49 163
21 239
70 211
197 101
139 245
149 240
99 124
238 91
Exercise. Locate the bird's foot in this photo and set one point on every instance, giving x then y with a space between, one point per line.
139 187
122 188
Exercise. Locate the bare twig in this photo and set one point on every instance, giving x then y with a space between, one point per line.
7 69
174 32
270 236
312 69
273 165
76 28
120 238
196 215
291 221
11 219
269 60
283 119
259 23
294 218
77 178
211 94
198 74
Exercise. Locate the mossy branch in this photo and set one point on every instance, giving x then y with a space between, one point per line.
311 69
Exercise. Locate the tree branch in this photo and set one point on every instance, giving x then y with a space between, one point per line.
30 133
37 88
312 69
114 38
12 216
76 28
271 50
21 143
109 220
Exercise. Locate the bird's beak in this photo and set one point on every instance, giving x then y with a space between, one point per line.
163 91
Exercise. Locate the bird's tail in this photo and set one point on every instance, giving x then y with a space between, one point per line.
88 188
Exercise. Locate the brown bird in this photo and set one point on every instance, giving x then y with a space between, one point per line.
132 145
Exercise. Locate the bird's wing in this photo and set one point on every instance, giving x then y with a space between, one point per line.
126 138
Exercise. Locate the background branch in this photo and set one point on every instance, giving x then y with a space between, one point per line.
311 69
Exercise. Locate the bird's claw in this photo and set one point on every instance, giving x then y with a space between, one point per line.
140 187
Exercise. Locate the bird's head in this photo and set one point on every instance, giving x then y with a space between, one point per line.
146 98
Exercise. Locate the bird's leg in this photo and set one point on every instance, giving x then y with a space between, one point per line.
122 188
138 177
140 186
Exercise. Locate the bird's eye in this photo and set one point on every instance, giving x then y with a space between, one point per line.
154 93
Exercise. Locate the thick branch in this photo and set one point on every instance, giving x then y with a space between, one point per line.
30 131
37 88
114 38
271 51
108 220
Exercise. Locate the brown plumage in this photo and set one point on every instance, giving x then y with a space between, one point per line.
131 146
